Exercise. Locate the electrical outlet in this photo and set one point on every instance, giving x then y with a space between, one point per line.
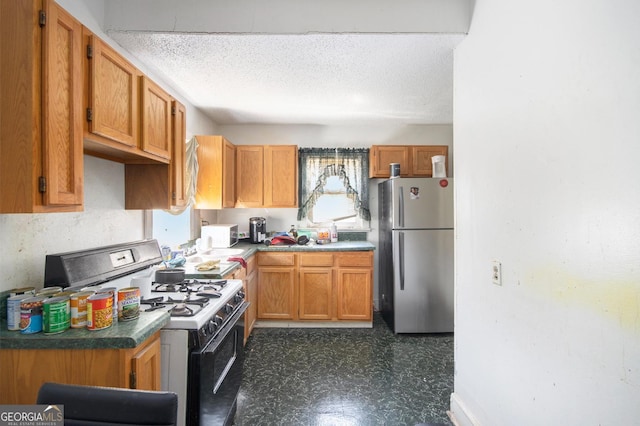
496 272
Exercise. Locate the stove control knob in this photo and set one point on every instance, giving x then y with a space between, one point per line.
238 298
218 320
228 308
211 327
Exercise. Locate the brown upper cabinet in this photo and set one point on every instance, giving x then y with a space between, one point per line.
415 160
159 185
216 173
41 165
128 116
155 122
267 176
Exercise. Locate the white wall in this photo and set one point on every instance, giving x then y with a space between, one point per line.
326 136
27 238
547 150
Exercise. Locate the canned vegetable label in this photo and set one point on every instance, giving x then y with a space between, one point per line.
31 315
78 305
99 311
114 295
13 311
55 315
128 303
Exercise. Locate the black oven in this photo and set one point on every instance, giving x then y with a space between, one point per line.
215 374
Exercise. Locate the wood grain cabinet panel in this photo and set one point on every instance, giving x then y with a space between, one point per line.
267 176
215 188
25 370
178 165
155 123
380 156
316 293
112 95
249 176
415 160
41 53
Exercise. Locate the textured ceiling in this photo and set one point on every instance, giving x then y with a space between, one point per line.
320 79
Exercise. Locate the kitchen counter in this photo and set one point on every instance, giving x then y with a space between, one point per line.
123 334
251 249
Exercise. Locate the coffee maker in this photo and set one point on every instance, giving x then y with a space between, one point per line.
257 230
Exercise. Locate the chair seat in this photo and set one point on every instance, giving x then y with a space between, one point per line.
94 405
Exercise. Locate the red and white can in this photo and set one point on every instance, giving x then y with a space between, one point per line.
99 311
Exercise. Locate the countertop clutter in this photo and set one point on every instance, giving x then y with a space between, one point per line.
246 250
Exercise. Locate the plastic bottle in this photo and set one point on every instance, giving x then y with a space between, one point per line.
293 232
334 233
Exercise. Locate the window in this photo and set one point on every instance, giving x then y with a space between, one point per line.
334 186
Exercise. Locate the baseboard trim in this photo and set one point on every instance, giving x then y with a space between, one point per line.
460 414
313 324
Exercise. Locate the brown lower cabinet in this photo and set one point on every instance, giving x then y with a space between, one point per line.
249 277
25 370
320 286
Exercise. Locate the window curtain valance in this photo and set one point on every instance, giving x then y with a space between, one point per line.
350 165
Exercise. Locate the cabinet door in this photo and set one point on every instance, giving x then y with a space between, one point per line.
156 119
178 154
277 293
228 174
62 108
251 296
280 176
249 175
381 156
145 367
354 294
316 293
113 94
421 159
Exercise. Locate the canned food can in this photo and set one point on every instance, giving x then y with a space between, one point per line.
394 170
13 311
56 315
99 311
78 304
24 290
31 315
48 291
128 303
114 295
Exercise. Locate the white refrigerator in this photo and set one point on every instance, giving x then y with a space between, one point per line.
415 256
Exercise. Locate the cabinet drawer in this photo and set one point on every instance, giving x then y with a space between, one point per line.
316 259
356 259
276 259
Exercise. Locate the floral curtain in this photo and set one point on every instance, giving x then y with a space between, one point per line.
351 165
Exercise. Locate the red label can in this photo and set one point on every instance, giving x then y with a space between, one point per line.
99 311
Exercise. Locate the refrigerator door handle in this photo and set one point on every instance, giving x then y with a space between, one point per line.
400 207
401 260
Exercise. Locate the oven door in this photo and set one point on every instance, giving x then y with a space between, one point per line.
215 374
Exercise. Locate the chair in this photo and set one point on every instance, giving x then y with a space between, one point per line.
93 405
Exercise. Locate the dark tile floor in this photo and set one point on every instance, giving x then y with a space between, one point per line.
318 377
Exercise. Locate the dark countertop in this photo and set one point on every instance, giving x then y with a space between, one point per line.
121 335
251 249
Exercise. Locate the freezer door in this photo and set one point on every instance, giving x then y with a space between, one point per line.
421 203
423 281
